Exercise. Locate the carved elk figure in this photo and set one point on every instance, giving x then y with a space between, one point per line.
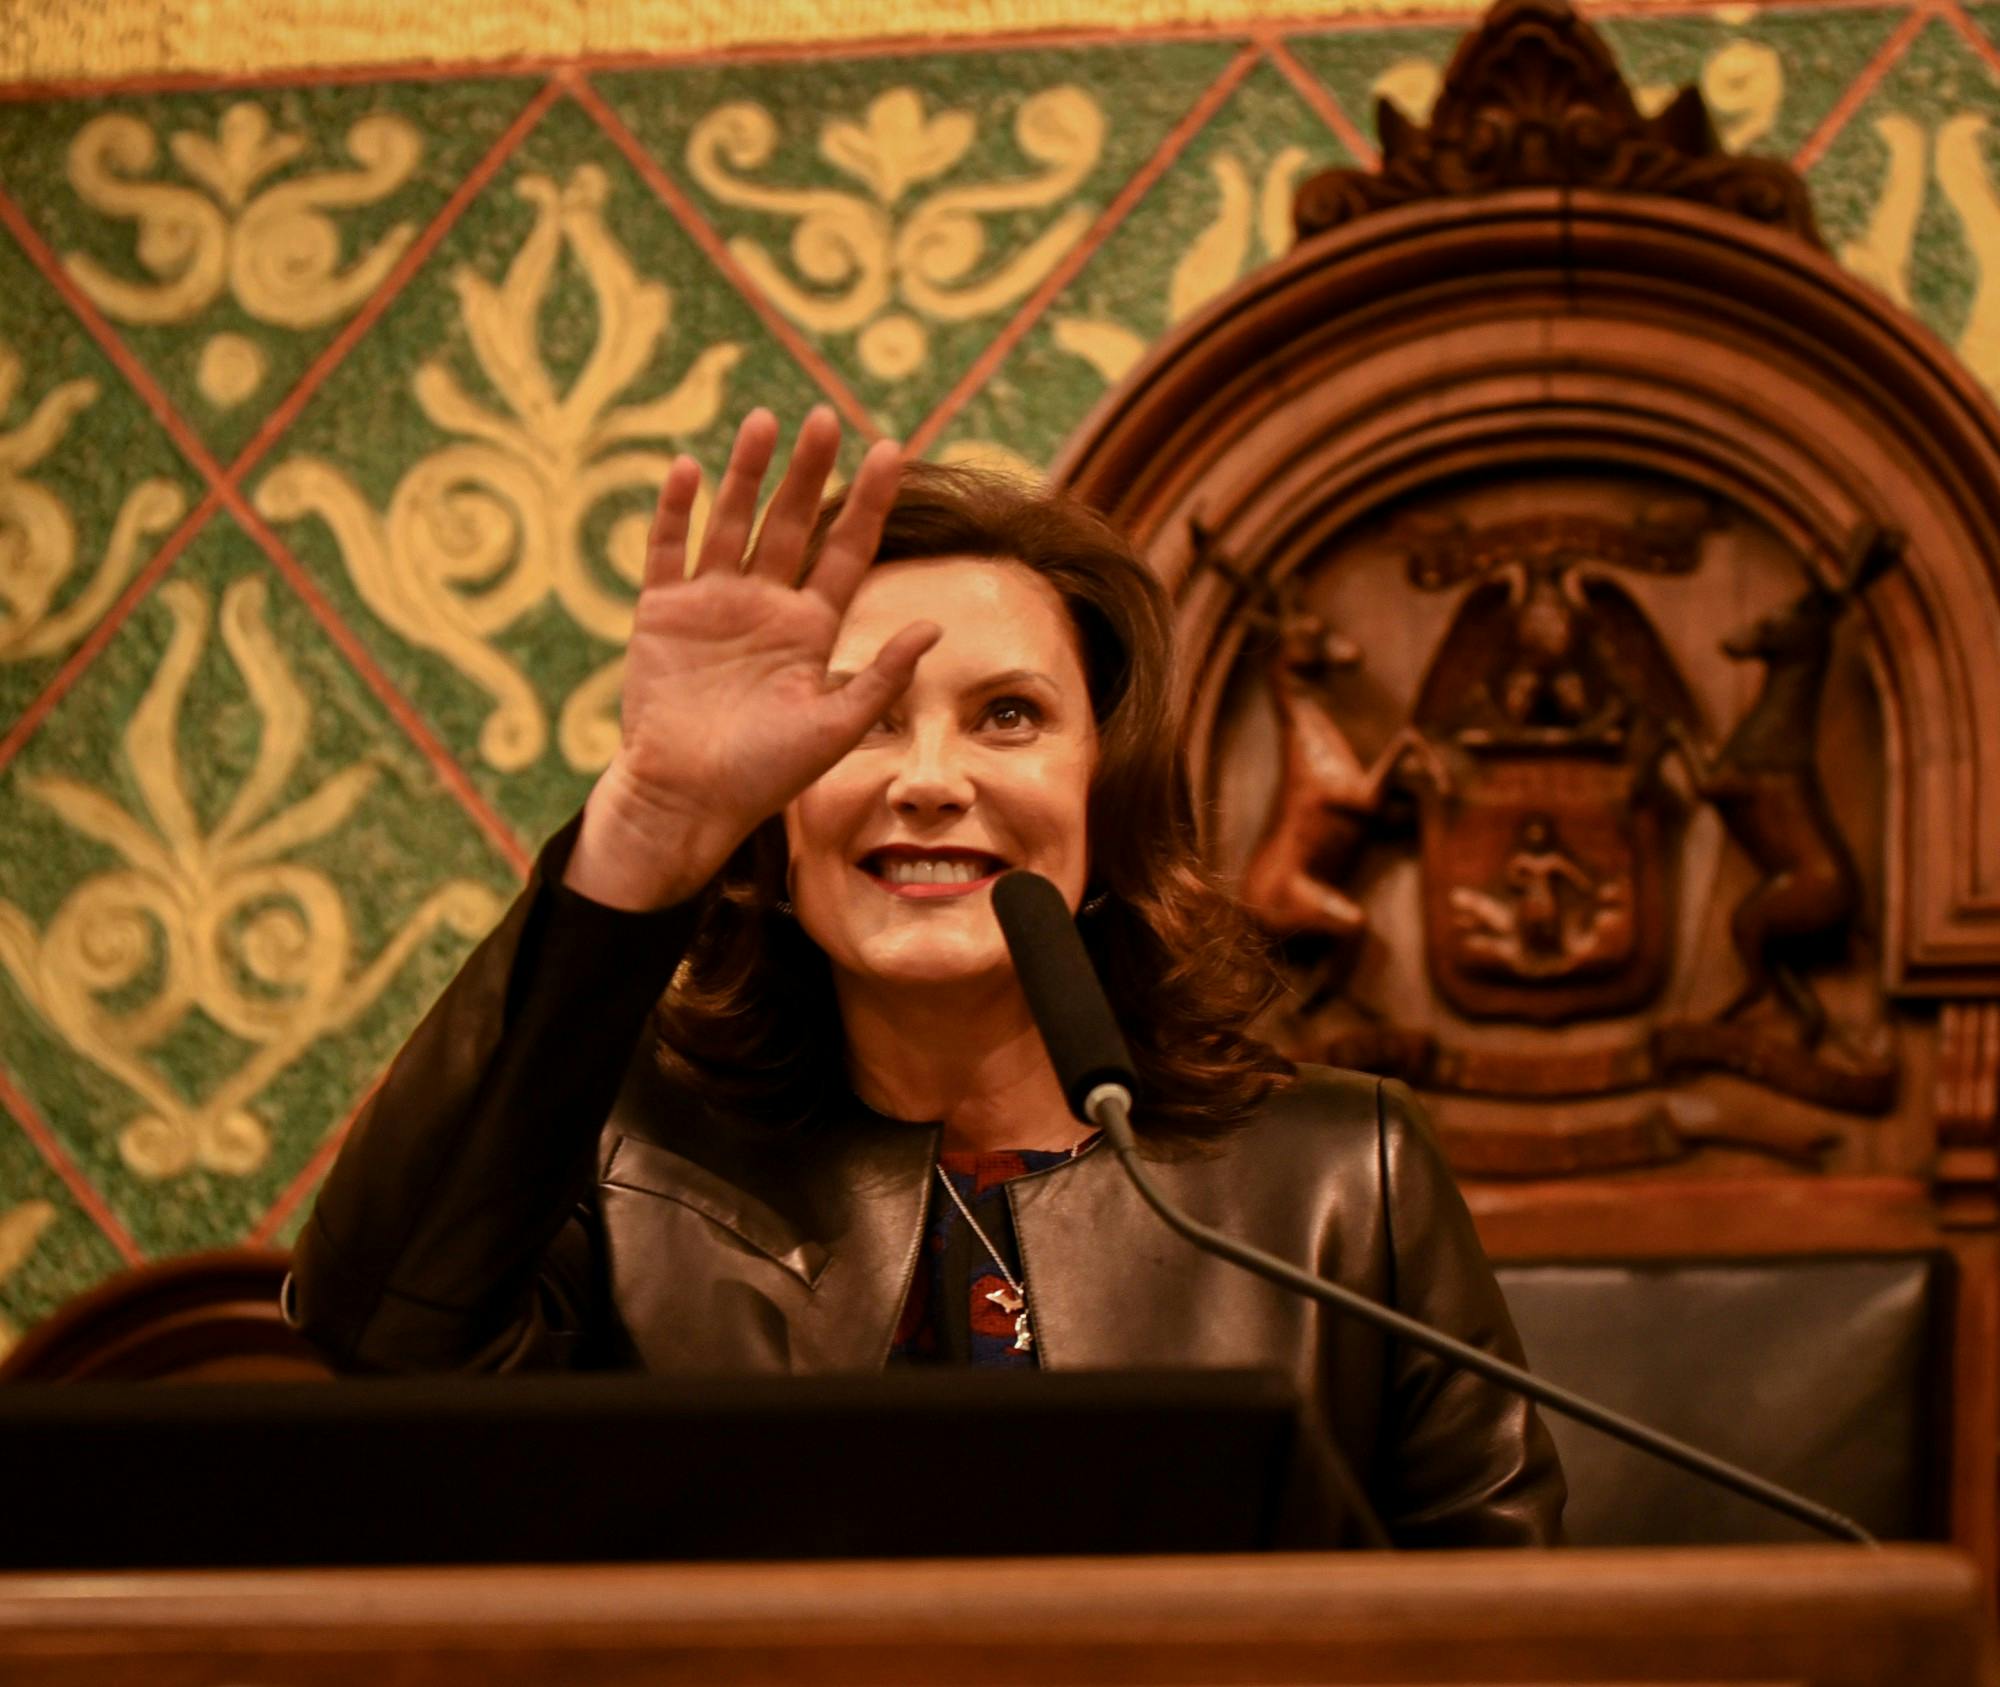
1765 784
1328 798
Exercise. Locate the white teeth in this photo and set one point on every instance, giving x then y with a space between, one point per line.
903 872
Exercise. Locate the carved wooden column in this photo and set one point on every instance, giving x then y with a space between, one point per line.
1968 1113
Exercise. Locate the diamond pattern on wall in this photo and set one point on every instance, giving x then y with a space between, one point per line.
1906 192
90 485
478 511
899 210
228 236
234 887
1222 210
1770 78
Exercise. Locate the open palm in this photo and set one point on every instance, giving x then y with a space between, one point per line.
727 712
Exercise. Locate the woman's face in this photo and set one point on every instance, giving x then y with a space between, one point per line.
984 765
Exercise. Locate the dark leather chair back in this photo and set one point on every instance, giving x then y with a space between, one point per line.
1829 1375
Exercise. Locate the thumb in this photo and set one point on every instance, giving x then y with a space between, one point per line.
861 701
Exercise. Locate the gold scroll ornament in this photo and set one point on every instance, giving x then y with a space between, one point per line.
38 537
275 249
1246 209
1883 252
217 921
873 266
482 531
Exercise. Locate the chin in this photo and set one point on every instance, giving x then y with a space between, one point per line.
933 958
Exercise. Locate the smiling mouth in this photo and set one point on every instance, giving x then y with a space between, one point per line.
928 876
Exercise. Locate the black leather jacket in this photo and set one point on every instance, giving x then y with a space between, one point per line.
525 1189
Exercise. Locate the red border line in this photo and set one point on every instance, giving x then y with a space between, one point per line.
1976 38
224 491
335 352
260 1233
450 773
699 230
106 628
1814 146
997 350
59 1162
534 65
43 257
1437 17
1320 97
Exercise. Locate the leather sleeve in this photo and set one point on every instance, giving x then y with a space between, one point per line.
448 1234
1469 1464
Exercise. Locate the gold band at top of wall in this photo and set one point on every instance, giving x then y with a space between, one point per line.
44 40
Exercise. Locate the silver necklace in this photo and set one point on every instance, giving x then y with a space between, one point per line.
1013 1298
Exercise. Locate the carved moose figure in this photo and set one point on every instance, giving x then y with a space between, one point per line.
1765 784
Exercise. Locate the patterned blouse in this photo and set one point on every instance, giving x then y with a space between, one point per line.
958 1310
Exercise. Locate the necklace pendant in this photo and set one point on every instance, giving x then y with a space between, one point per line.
1024 1338
1006 1299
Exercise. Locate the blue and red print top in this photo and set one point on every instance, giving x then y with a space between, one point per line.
950 1317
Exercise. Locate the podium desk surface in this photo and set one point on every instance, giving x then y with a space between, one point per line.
1804 1616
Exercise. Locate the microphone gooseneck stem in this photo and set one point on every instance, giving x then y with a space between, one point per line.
1109 1108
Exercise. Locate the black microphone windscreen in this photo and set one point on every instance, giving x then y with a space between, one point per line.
1061 986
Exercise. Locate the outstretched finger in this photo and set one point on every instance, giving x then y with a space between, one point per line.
666 544
735 508
794 506
863 699
850 546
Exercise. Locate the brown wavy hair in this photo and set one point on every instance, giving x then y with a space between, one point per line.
750 1021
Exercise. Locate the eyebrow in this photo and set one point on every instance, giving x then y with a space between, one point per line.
1015 676
992 682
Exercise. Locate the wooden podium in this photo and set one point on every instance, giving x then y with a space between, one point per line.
1806 1617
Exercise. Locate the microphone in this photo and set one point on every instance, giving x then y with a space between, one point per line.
1098 1079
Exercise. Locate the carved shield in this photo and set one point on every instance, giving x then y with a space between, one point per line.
1545 886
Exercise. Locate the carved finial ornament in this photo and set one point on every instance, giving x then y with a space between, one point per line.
1533 98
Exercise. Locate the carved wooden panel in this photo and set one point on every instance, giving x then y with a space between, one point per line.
1564 787
1591 604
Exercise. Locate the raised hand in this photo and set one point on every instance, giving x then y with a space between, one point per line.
727 712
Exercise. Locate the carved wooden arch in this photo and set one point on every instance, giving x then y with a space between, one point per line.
1458 334
1542 269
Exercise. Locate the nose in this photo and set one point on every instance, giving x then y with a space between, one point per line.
932 777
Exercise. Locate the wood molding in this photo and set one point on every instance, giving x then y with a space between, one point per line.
1534 98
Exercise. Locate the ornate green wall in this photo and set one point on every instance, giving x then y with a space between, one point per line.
330 408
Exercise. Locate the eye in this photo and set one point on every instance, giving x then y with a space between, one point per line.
1013 714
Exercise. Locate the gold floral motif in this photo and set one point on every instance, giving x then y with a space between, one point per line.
874 268
1214 260
38 540
1743 85
277 252
219 922
1881 256
1412 86
21 1228
229 370
484 530
1968 187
